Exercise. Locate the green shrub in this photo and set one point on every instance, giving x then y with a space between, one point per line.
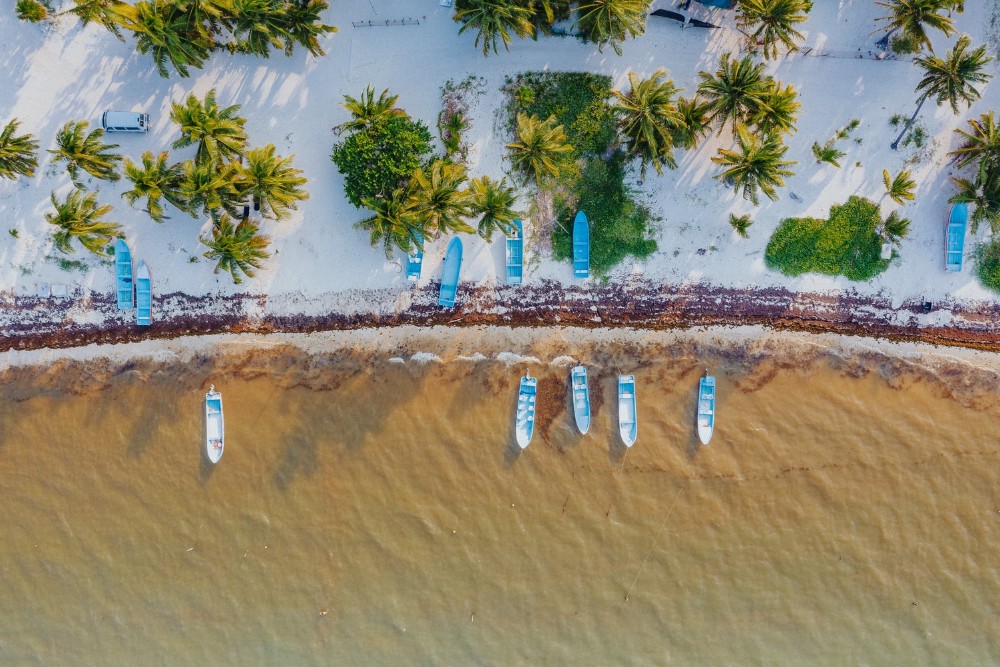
902 45
378 160
741 224
31 10
988 264
846 244
618 225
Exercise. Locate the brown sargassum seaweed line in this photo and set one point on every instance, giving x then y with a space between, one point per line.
37 323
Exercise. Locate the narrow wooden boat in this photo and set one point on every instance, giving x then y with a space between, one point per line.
706 408
143 296
515 254
449 276
415 260
581 246
124 284
524 424
955 237
215 427
627 425
580 391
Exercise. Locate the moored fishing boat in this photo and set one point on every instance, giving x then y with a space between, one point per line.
524 423
214 425
143 296
580 391
124 285
515 254
415 260
706 408
581 246
627 419
449 275
955 237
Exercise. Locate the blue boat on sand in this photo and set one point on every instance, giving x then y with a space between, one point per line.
449 276
706 408
124 285
955 237
143 296
515 254
524 424
627 419
581 246
415 260
580 391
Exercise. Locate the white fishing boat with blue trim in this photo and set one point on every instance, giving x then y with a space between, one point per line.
627 419
706 408
524 424
215 428
580 390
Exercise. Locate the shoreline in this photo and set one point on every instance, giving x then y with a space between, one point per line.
87 318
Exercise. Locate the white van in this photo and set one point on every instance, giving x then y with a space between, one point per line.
125 121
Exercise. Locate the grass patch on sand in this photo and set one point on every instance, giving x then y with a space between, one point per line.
592 176
988 264
847 244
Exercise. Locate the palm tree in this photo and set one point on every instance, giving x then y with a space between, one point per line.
538 147
757 165
166 32
984 194
741 224
611 21
154 179
236 248
895 228
86 151
208 187
217 131
900 189
301 25
18 156
79 217
494 201
772 22
367 111
272 181
436 196
982 143
107 13
257 26
950 79
647 117
393 223
735 92
913 18
693 124
495 20
778 110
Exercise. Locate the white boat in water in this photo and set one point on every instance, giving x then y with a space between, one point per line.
581 398
706 408
525 422
214 425
627 420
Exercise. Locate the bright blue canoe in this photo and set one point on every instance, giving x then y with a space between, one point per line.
627 419
143 296
581 398
955 237
449 276
515 254
415 260
706 408
524 424
581 246
123 276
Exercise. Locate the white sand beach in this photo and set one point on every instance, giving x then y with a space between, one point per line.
322 264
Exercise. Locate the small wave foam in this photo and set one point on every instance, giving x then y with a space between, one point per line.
512 359
424 357
476 357
397 360
564 360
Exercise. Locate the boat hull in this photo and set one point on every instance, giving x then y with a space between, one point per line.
143 296
415 261
215 427
524 423
124 279
954 241
449 275
706 408
515 254
580 395
581 246
628 426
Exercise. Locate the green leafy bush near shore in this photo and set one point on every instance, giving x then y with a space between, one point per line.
847 244
592 176
988 264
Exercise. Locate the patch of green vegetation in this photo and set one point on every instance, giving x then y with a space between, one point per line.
592 176
902 45
13 232
741 224
31 11
618 224
578 100
917 134
988 264
846 244
71 264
